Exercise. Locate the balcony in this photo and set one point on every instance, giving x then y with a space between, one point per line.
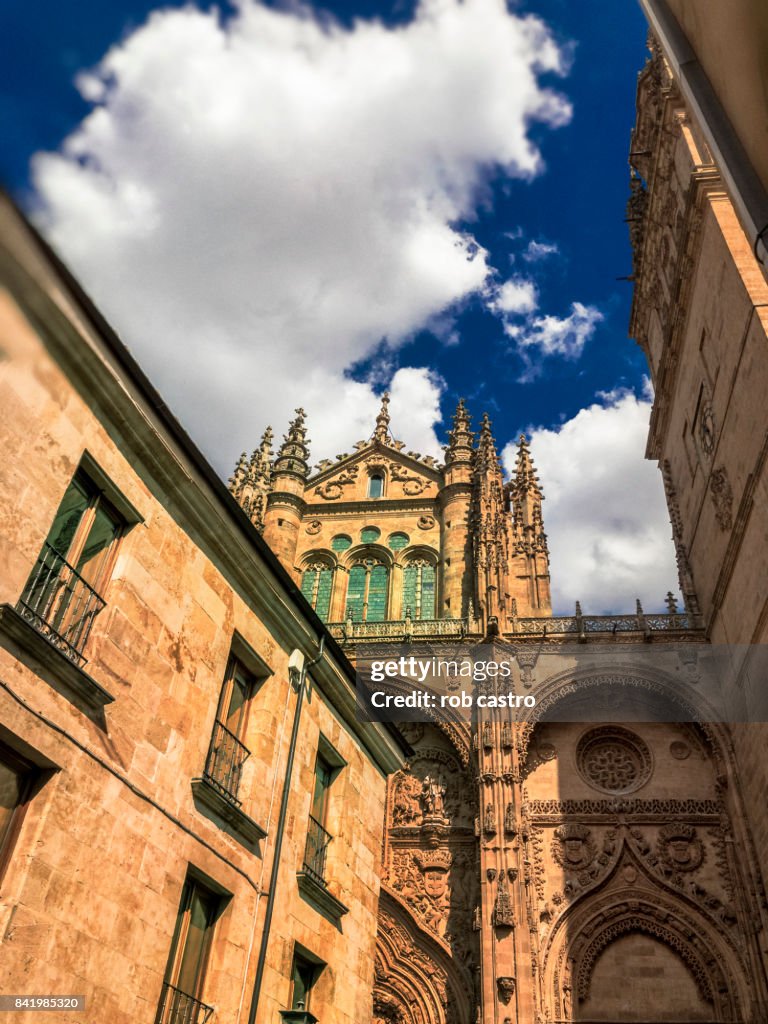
224 764
312 882
217 790
558 625
316 850
60 605
176 1007
578 625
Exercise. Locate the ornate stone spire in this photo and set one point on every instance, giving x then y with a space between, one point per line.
294 451
461 439
487 455
488 524
525 497
526 480
261 460
238 478
252 479
381 432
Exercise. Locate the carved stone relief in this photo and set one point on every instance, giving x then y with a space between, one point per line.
722 498
613 759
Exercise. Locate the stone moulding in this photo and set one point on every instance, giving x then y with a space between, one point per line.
75 681
320 897
208 796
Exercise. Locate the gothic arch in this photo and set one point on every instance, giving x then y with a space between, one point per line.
359 552
684 706
414 551
416 980
317 555
612 909
589 928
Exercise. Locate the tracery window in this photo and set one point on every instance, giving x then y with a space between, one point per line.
368 591
316 586
613 759
419 589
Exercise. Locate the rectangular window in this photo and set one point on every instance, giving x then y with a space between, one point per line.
227 753
181 998
323 776
327 766
63 594
303 977
16 776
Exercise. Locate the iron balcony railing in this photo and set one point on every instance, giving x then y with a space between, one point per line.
176 1007
316 850
224 765
60 604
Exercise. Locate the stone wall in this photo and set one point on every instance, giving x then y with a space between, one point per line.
89 899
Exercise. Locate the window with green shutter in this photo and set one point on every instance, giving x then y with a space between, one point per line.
368 592
316 586
419 589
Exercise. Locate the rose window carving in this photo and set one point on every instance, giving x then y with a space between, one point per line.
613 760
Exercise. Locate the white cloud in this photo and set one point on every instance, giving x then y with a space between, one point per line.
549 335
537 251
256 203
518 295
604 510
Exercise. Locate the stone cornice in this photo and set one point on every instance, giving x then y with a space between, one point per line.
370 505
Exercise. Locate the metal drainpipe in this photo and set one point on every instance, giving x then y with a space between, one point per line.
279 836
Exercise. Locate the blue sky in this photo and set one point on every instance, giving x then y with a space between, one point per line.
274 213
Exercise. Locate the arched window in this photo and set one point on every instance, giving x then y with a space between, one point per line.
419 589
316 586
398 541
375 485
368 591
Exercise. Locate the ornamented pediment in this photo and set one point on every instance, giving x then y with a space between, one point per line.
404 475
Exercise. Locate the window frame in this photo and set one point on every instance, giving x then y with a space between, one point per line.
301 963
368 563
234 666
96 500
61 598
30 774
377 474
174 963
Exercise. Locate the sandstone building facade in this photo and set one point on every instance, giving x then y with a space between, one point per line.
577 863
698 219
147 702
548 869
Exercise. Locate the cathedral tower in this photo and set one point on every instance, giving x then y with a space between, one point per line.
388 535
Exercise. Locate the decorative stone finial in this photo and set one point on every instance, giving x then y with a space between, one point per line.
381 433
461 437
294 451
